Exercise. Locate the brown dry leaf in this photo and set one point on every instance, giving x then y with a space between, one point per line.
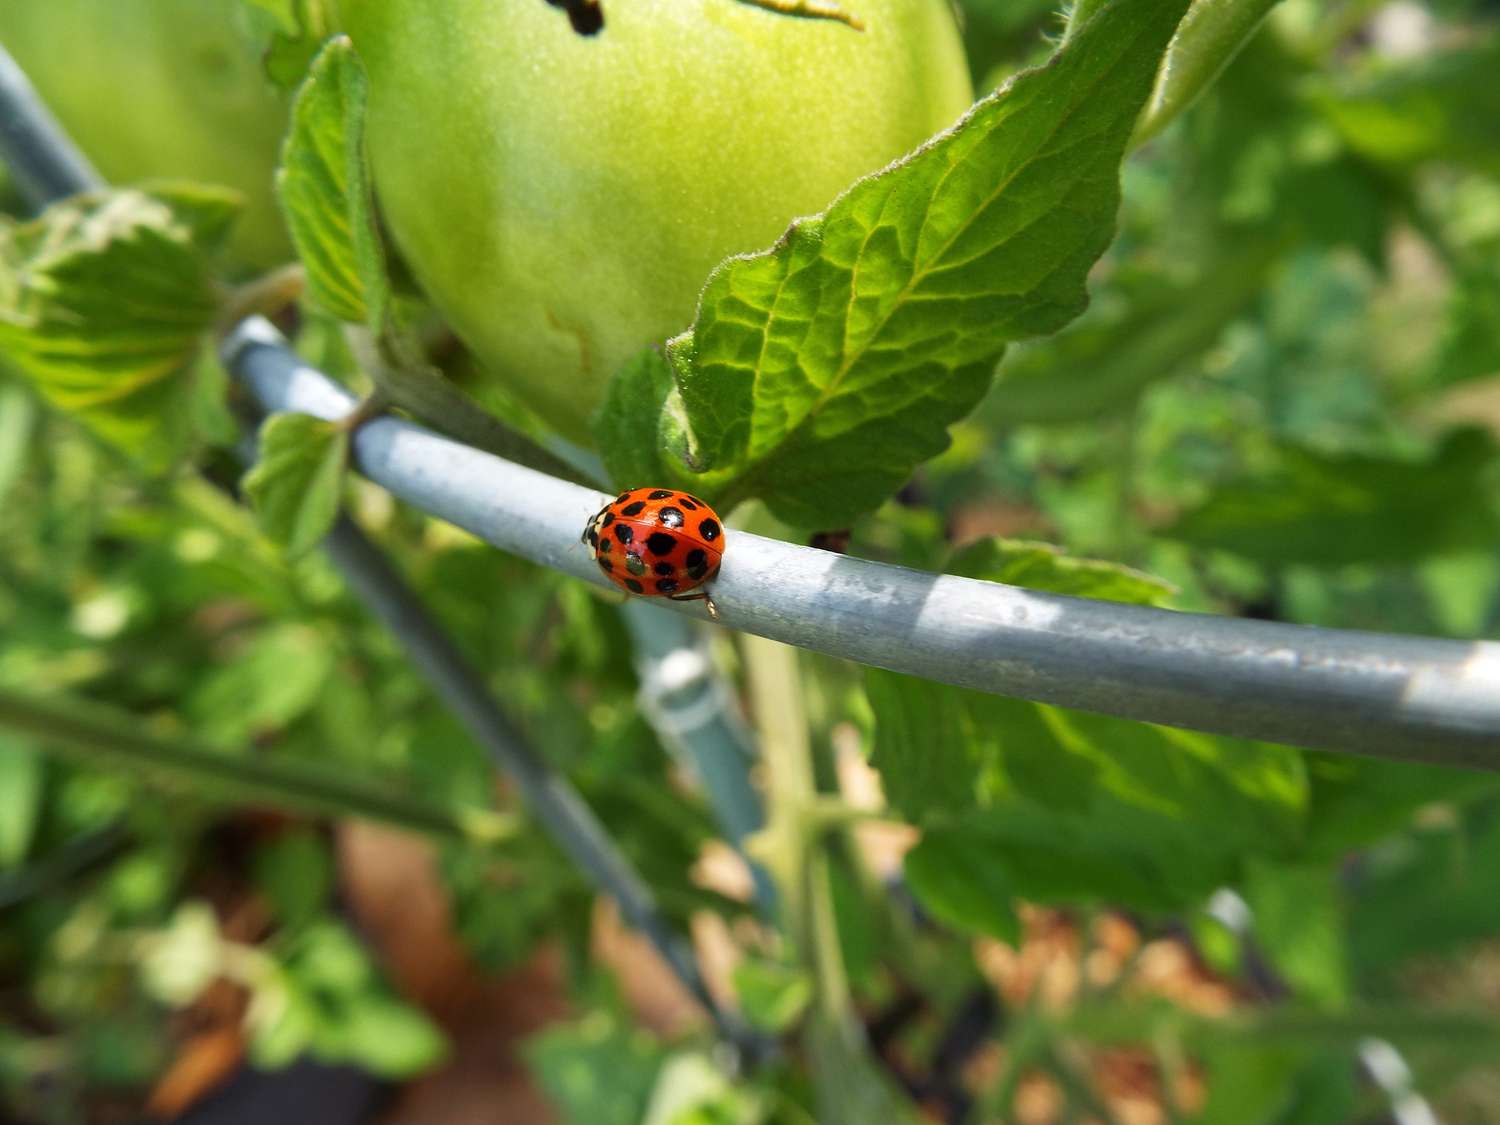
203 1063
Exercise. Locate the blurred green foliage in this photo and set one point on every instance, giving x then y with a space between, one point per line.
1282 402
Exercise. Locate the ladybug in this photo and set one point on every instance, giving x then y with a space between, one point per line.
658 542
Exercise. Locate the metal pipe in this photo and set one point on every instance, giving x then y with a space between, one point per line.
1416 698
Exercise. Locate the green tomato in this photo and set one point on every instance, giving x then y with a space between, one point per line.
161 89
562 199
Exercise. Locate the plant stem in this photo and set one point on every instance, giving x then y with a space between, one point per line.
433 398
107 736
267 295
850 1088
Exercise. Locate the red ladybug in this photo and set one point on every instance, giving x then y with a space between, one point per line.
658 542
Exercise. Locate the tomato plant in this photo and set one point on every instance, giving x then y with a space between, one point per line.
1193 309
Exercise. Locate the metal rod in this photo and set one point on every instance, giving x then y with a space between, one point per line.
46 163
1415 698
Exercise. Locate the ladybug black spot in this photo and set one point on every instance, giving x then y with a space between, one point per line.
633 509
669 517
666 586
609 518
688 504
604 546
606 566
624 496
709 529
623 532
660 543
659 494
666 570
593 537
635 564
634 587
697 563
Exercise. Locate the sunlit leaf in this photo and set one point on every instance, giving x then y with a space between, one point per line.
324 186
820 373
105 301
295 485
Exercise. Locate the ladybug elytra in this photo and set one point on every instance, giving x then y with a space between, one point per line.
658 542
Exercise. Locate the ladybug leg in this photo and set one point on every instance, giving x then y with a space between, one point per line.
704 597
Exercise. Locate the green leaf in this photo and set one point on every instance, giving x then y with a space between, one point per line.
773 996
1437 106
297 29
275 680
1431 892
596 1071
963 886
1327 510
324 187
692 1088
1470 347
923 745
283 1022
1066 806
1042 566
104 303
1111 355
636 403
387 1037
1299 922
820 372
1354 802
18 418
295 486
1076 807
1270 1083
22 776
296 874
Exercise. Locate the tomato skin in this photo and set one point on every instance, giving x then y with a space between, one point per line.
161 89
563 198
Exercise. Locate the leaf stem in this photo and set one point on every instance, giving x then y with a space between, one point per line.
267 295
434 399
107 736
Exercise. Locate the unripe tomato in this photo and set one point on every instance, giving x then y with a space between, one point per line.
161 89
563 199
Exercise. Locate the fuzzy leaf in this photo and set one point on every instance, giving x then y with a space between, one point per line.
104 303
635 403
324 187
821 372
1066 806
294 487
